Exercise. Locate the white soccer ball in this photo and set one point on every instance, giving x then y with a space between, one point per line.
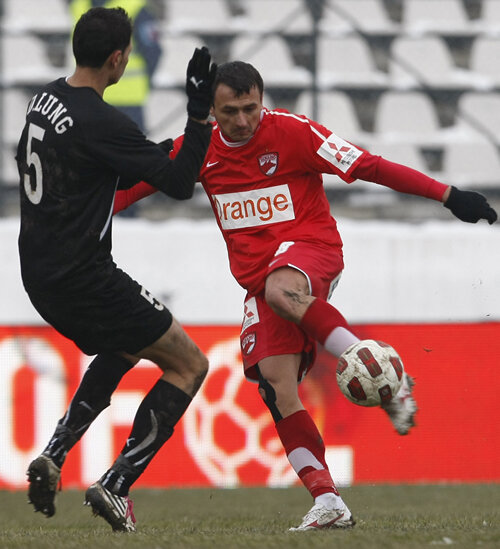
370 373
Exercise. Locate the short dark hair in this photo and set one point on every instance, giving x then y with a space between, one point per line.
239 76
98 33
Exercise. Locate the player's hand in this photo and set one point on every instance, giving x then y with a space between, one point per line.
470 206
167 145
199 82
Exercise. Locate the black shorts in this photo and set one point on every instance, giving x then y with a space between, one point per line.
119 316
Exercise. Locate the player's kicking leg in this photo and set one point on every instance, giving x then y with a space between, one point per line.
402 408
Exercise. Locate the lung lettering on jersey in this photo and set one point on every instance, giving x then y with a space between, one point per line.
254 208
49 106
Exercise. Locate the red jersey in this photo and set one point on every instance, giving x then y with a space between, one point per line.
269 189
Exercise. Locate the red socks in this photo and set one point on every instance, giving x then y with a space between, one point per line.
324 323
306 452
321 319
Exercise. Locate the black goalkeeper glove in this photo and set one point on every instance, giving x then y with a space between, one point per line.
199 82
470 206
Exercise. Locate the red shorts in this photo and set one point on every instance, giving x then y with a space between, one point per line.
263 332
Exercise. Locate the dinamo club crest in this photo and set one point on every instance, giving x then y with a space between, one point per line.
268 163
248 343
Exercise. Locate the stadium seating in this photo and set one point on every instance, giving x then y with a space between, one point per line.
471 165
345 16
335 111
435 16
177 51
347 61
264 16
402 153
191 16
485 59
427 61
165 114
272 57
36 15
25 60
479 116
395 67
489 22
407 117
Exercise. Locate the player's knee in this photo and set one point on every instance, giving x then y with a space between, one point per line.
268 395
198 369
201 365
276 299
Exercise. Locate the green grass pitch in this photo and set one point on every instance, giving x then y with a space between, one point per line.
403 517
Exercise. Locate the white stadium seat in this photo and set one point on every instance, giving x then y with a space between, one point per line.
272 57
335 111
478 116
471 165
343 16
485 58
428 61
435 16
407 117
193 16
24 60
347 61
165 114
401 153
489 21
287 17
177 51
37 15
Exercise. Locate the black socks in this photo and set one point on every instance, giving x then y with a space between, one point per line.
91 398
153 425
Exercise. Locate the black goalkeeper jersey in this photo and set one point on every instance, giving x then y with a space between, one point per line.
75 151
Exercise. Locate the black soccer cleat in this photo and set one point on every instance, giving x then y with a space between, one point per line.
43 477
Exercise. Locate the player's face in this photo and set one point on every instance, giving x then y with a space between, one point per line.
238 117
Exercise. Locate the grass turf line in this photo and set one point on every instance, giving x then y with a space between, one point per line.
402 517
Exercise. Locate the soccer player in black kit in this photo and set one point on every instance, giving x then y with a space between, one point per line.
74 153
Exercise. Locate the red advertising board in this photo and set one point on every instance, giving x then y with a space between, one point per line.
227 437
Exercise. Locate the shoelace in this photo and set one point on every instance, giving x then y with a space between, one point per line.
130 509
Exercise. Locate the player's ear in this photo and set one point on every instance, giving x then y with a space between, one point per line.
115 58
212 111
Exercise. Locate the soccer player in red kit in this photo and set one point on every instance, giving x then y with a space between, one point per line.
263 176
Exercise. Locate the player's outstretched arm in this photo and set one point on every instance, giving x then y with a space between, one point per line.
181 175
469 206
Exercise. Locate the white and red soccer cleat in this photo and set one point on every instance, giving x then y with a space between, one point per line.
320 517
402 408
